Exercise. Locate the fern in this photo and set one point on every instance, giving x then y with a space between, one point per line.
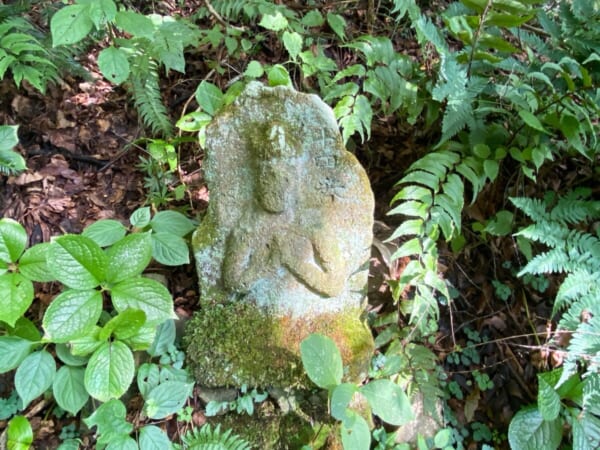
208 438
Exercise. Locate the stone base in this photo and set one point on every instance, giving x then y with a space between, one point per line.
236 343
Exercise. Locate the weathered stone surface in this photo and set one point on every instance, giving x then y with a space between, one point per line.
284 248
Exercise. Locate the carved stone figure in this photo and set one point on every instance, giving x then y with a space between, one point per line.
284 248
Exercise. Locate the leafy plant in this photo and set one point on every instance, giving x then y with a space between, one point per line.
11 162
208 438
323 365
244 403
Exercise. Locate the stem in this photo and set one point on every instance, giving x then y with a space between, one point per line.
476 37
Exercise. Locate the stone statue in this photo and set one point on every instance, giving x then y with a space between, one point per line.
284 248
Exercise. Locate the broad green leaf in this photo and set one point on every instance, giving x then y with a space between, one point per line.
388 401
13 350
194 121
109 419
209 97
274 22
135 24
170 249
278 76
341 396
16 295
124 325
292 42
355 433
505 20
70 25
529 431
337 24
86 345
122 443
148 377
8 139
313 18
77 261
172 222
34 376
102 11
69 389
531 120
586 431
63 351
548 399
26 329
322 361
109 371
13 240
140 218
148 295
165 338
105 232
153 438
72 315
254 69
19 434
501 224
491 168
143 338
128 257
33 265
114 65
167 398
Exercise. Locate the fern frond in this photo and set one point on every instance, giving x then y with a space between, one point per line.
571 318
552 234
577 284
209 438
533 207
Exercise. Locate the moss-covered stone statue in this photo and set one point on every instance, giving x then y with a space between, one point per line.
284 248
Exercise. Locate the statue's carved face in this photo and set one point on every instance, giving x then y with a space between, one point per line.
274 185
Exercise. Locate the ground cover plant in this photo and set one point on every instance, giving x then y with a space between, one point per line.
477 119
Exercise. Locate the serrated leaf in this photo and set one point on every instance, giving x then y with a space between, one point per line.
148 377
167 398
19 434
153 438
135 24
313 18
114 65
388 401
322 360
64 354
69 389
140 218
355 433
86 345
529 431
109 419
169 249
105 232
16 295
278 76
341 396
165 338
209 97
254 69
128 257
147 295
13 240
13 350
292 42
124 325
72 315
102 11
76 261
8 139
34 376
548 399
274 22
109 371
33 265
337 24
172 222
70 25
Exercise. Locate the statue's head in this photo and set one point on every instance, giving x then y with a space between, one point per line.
277 171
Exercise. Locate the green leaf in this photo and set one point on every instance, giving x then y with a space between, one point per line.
274 22
170 249
8 139
13 350
194 121
491 168
322 360
19 434
26 329
105 232
102 11
548 399
501 224
341 396
292 42
128 257
34 376
532 121
172 222
70 25
77 261
87 344
355 433
140 218
33 266
109 371
16 295
167 398
529 431
143 338
135 24
505 20
147 295
124 325
153 438
69 389
313 18
278 76
109 419
337 24
13 240
69 444
254 69
63 351
165 338
114 65
72 315
388 401
209 97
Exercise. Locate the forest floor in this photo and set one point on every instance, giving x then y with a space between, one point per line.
83 165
